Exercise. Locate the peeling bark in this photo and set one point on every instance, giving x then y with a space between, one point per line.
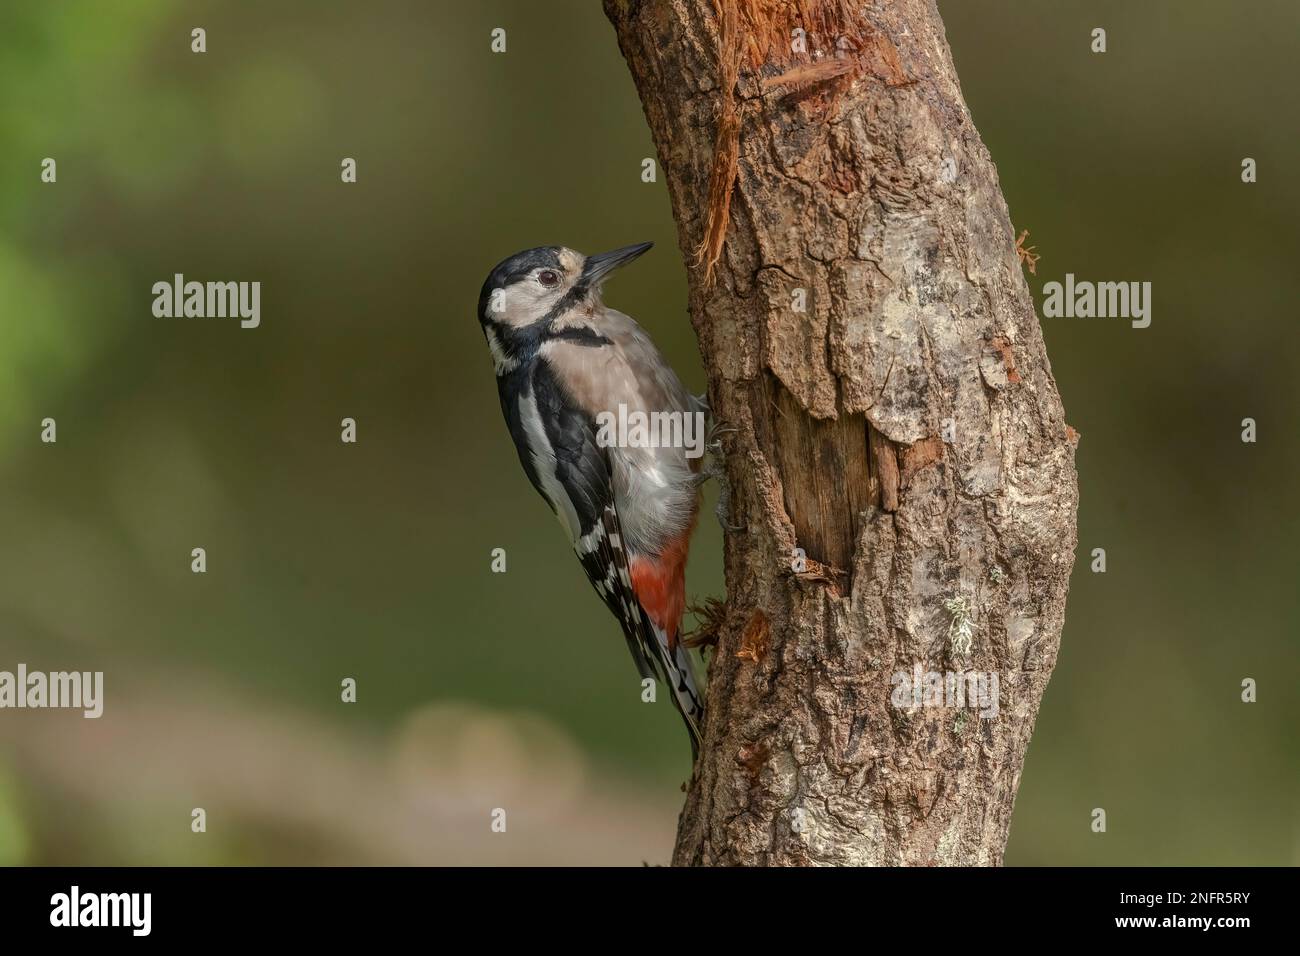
904 431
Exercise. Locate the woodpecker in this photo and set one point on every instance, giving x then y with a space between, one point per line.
564 361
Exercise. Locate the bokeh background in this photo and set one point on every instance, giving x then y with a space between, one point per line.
479 690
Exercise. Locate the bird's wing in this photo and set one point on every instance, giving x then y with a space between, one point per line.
557 445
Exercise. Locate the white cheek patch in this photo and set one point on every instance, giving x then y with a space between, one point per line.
520 304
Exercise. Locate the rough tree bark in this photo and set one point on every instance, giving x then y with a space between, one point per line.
903 429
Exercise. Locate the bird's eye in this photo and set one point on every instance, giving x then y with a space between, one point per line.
548 278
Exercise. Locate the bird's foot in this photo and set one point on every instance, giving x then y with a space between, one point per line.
716 431
713 467
723 508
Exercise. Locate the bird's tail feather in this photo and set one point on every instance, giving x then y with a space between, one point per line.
681 679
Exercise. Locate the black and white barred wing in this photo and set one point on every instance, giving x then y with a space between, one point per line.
557 446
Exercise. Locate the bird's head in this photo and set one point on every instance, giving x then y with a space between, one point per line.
546 283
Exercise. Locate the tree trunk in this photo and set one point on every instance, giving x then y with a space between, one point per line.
901 465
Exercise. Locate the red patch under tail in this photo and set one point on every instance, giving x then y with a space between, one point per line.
659 583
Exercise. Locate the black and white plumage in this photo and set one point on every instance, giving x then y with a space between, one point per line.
562 358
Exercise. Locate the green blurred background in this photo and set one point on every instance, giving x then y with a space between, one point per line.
479 690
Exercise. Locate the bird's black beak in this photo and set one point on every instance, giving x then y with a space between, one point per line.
598 266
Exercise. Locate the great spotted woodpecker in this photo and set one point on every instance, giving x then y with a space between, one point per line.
564 363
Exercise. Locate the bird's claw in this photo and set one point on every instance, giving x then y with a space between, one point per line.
719 429
714 469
